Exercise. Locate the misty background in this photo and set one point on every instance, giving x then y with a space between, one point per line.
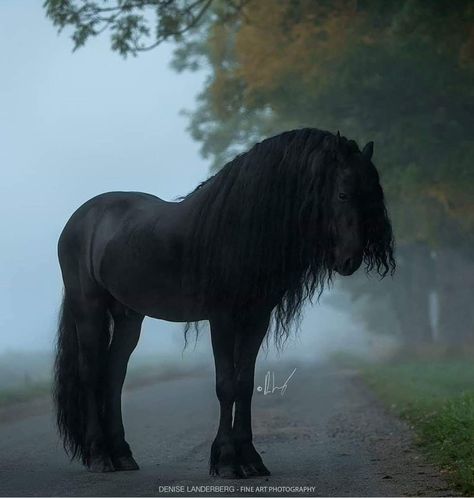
220 76
73 125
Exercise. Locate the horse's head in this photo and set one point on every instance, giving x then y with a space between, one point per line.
361 228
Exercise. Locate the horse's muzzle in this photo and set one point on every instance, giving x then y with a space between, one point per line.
348 267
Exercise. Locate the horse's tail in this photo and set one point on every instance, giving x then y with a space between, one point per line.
69 392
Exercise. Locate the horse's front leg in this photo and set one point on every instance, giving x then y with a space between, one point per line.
223 457
248 342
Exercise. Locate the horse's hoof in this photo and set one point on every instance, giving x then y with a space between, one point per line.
251 462
256 469
125 463
227 472
100 464
250 470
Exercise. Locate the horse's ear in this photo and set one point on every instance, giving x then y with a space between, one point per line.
338 139
368 150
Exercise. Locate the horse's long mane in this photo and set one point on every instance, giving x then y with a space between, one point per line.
264 230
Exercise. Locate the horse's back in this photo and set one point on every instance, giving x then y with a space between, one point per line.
118 201
95 223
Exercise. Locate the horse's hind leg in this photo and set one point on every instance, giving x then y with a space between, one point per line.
91 317
127 325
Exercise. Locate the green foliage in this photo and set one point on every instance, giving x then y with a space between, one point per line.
449 437
437 398
135 25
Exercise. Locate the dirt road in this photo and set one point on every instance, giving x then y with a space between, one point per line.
326 436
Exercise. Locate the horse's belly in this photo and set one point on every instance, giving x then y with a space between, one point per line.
160 297
170 308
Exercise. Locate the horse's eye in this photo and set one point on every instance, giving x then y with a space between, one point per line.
343 196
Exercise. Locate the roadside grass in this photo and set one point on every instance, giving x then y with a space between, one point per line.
23 393
437 399
145 371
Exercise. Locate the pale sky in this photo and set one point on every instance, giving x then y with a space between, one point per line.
73 125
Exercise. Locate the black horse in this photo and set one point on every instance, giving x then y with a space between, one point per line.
244 250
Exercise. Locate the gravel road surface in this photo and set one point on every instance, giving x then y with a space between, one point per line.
326 436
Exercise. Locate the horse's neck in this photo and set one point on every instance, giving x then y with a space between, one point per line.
192 202
182 214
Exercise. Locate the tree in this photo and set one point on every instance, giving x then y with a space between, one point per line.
398 72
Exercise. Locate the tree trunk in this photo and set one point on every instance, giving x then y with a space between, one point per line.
455 290
412 286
